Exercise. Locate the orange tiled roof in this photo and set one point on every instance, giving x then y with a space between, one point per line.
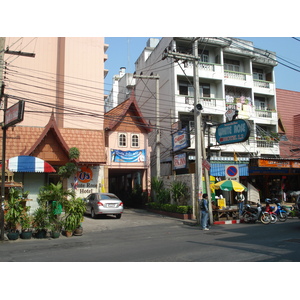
113 117
24 140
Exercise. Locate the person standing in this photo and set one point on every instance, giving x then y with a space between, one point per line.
240 198
204 212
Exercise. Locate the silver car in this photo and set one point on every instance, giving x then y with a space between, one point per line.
103 204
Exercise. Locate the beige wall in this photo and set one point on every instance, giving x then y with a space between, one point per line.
66 73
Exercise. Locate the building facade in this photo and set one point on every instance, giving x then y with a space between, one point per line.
233 75
62 86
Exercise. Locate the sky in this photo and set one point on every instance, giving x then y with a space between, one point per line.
124 51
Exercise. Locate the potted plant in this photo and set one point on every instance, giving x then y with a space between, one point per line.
41 222
74 211
56 225
13 214
26 232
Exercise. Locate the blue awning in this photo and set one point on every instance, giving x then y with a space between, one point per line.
219 169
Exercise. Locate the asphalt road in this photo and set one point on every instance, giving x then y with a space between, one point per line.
140 236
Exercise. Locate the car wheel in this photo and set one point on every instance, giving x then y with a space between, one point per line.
118 216
93 215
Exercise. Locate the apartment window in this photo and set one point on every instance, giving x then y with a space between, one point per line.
258 74
204 54
135 140
122 140
205 90
260 103
186 89
231 65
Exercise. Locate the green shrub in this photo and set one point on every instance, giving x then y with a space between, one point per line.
182 209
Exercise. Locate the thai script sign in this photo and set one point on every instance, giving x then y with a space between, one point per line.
269 163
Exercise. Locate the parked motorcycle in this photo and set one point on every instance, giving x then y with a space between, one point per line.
252 214
271 210
281 213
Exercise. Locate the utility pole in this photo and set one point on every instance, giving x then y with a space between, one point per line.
4 129
198 135
197 120
156 77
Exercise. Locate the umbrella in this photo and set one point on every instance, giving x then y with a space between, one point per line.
229 185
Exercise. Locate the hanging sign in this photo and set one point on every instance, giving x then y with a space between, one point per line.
14 114
233 132
180 161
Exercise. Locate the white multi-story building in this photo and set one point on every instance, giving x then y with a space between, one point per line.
233 74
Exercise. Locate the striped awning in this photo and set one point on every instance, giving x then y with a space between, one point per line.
25 163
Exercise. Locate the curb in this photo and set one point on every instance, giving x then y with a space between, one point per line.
227 222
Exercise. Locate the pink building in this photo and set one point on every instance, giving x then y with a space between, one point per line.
63 90
66 77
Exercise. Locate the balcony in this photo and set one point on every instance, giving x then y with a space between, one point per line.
186 103
238 79
263 87
266 143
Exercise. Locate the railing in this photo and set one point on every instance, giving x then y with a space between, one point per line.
234 75
209 102
205 101
261 84
206 66
263 113
263 143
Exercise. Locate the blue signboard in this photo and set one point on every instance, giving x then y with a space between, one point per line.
128 156
181 140
236 131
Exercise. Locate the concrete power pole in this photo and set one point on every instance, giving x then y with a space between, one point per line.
4 128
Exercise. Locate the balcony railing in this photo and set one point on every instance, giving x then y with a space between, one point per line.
234 75
206 66
263 113
263 143
261 84
205 101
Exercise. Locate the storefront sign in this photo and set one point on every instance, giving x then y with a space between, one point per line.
233 132
180 140
14 114
269 163
84 182
128 156
180 161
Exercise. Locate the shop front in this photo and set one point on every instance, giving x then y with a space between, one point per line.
276 178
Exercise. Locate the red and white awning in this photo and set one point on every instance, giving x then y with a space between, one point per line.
25 163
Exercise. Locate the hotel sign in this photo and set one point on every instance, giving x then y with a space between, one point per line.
236 131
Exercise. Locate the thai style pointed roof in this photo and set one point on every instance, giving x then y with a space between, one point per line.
127 108
27 140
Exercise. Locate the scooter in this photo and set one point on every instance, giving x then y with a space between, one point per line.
252 214
281 213
271 210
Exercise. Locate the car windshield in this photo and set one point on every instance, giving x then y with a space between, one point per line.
105 196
